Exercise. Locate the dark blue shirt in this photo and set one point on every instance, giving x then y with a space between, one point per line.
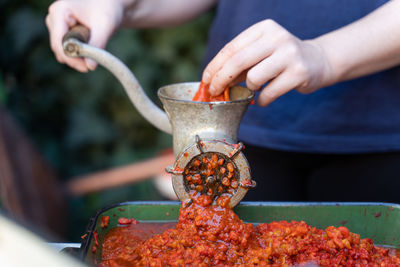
357 116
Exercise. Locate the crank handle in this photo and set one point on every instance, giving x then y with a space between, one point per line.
72 40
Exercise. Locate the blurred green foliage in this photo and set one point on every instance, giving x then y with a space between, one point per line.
84 122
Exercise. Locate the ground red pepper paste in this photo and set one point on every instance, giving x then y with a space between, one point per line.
215 236
211 178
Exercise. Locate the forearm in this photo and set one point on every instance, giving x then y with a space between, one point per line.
162 13
367 46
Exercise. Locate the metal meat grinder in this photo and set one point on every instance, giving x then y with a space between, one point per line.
208 159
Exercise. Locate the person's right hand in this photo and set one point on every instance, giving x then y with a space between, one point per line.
102 17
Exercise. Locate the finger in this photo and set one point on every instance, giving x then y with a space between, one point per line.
53 43
277 87
98 38
245 38
76 63
71 21
90 64
264 71
57 29
239 79
242 60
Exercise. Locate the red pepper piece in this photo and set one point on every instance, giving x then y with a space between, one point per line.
125 221
203 95
96 238
104 221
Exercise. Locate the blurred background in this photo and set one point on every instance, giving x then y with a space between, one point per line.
58 126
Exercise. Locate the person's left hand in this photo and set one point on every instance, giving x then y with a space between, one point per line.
266 52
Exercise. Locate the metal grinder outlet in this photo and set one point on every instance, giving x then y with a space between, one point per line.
214 168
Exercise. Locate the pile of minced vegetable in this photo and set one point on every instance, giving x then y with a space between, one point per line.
213 235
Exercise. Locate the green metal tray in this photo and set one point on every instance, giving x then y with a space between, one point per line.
378 221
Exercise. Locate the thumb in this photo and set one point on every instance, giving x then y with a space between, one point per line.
99 37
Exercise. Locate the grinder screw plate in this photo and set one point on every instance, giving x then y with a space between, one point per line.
211 168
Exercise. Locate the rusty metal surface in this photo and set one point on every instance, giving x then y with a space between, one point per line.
208 120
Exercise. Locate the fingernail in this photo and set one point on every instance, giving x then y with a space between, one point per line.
206 77
91 64
82 69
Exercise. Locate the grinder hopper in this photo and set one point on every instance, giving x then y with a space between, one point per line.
198 128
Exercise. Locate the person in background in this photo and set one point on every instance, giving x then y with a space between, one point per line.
327 123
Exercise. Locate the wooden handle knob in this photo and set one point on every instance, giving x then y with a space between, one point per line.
78 32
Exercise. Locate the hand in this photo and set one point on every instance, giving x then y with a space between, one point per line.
102 17
266 52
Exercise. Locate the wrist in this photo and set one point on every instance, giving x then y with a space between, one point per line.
328 72
336 66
